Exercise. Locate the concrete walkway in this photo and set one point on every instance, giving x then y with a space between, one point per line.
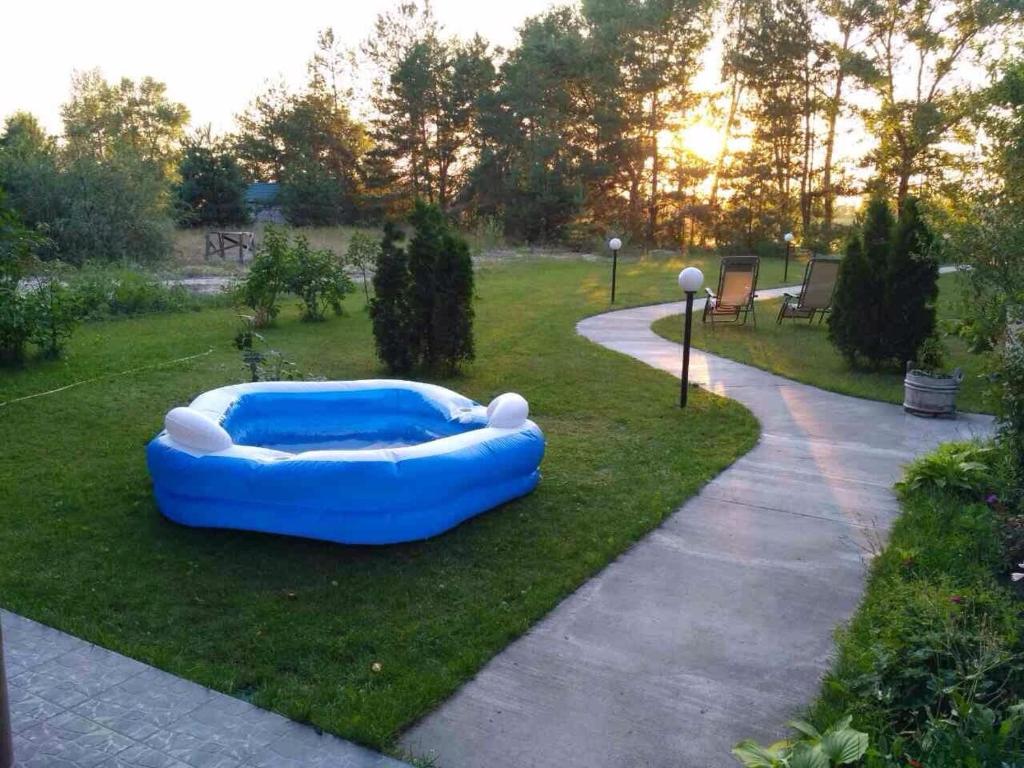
76 705
718 625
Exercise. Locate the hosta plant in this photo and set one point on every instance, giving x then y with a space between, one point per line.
955 467
838 745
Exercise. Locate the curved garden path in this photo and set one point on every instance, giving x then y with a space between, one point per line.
718 624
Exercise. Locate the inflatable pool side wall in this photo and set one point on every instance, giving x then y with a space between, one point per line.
369 496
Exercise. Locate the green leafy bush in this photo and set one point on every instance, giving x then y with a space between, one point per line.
262 364
362 255
104 292
932 664
840 744
282 265
441 298
55 310
269 276
135 294
16 321
1010 405
112 210
318 279
964 468
15 324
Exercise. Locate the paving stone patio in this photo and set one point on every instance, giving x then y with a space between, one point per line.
76 705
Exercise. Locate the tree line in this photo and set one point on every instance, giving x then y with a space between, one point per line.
571 134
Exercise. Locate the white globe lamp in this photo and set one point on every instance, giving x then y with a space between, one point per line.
691 279
614 244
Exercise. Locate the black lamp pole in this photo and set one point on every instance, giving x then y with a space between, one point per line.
615 264
785 270
6 749
688 324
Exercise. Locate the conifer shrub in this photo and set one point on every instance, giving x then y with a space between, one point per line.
422 309
393 329
884 305
911 285
452 316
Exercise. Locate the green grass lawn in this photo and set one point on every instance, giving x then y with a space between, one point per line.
296 625
802 352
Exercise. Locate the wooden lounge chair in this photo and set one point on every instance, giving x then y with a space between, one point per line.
734 300
815 297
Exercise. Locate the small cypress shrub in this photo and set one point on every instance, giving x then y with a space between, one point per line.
912 285
422 310
452 321
859 322
425 249
393 329
884 306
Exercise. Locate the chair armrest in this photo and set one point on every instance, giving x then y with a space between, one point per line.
711 294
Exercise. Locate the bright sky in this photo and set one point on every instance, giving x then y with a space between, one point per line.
214 55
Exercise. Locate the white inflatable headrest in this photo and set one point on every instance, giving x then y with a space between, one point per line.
196 431
507 411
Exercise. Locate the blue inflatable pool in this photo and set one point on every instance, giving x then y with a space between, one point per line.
359 462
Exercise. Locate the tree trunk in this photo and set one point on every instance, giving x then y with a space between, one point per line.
904 187
635 221
828 196
652 221
734 103
805 171
442 184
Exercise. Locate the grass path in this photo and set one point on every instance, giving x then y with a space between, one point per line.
297 626
802 352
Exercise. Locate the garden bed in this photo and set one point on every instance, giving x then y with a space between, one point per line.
931 665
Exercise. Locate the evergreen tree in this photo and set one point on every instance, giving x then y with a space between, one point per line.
912 285
452 323
393 328
858 322
423 308
424 251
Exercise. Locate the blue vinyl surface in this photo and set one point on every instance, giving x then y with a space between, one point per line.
415 460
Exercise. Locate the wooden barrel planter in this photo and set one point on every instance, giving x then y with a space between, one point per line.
6 748
928 394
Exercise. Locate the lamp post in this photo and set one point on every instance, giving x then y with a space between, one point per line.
788 237
614 244
690 280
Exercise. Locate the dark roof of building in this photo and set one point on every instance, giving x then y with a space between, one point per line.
262 193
